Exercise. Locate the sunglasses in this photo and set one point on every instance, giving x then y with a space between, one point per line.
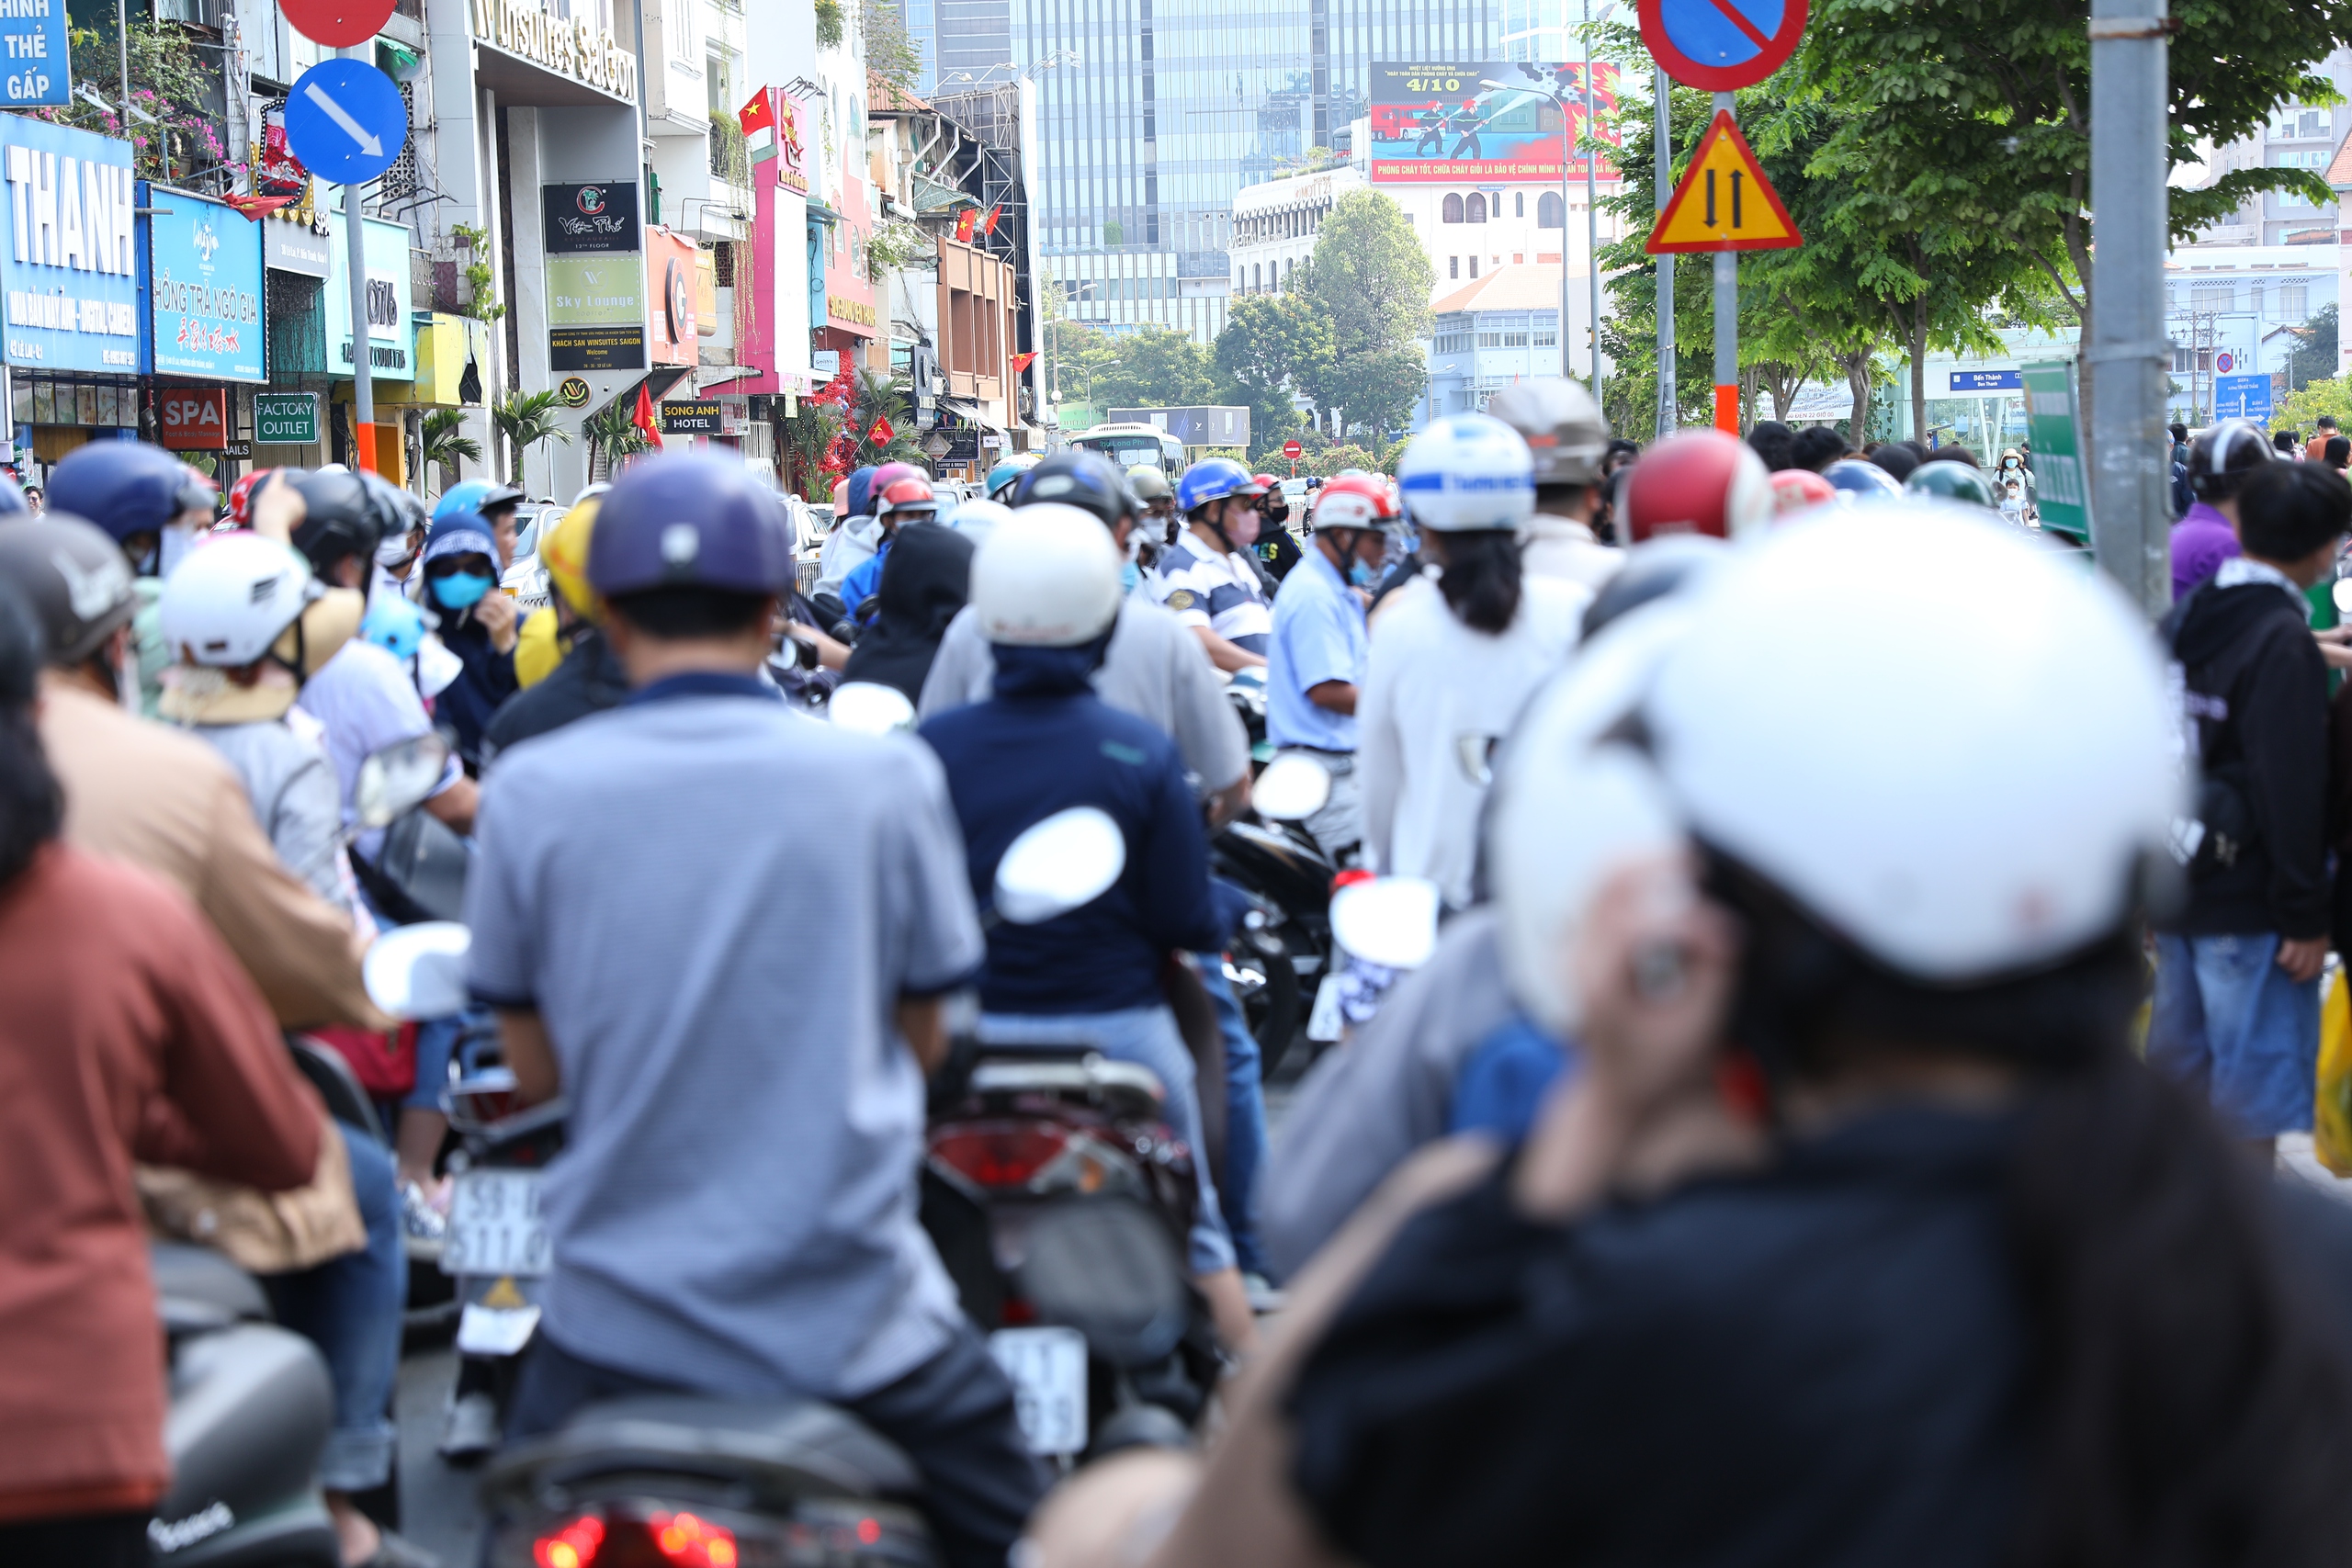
450 566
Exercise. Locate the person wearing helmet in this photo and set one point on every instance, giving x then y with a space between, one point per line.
1095 484
1800 490
2236 1011
974 519
1568 436
2221 460
901 495
1861 480
479 624
1277 551
1007 473
495 503
1206 577
922 586
1149 481
406 523
2013 485
856 535
1045 590
1699 481
1459 652
1959 483
601 968
589 679
1857 1131
249 625
1317 653
154 506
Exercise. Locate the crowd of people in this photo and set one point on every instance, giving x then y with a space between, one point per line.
1772 1162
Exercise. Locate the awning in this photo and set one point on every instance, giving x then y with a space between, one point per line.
968 413
822 213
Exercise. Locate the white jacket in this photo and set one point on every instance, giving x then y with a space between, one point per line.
847 549
1564 548
1436 697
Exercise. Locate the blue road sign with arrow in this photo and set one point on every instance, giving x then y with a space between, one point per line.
345 122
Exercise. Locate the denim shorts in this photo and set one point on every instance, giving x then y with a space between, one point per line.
2230 1024
1147 1037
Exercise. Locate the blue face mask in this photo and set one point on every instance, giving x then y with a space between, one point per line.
1361 575
461 589
1129 575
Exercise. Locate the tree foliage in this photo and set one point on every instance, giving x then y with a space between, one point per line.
182 139
890 52
1152 368
1369 283
1274 347
445 443
525 419
2314 358
2300 408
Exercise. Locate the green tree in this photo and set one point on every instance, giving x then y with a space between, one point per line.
2300 409
2314 358
807 437
174 135
1155 368
612 435
525 419
890 52
445 443
1369 282
1273 345
880 398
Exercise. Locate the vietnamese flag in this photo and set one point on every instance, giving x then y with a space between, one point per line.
881 432
643 419
989 227
1023 361
759 113
964 221
257 207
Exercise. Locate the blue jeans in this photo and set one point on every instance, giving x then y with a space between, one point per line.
1147 1037
2230 1024
1245 1114
350 1308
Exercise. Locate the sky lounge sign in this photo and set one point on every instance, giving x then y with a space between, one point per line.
579 50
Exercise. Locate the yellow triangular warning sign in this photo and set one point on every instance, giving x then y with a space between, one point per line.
504 1294
1724 203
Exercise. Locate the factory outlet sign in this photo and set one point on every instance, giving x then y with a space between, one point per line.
580 49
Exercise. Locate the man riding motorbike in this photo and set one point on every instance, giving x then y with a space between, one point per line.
154 506
1277 551
1567 437
1207 578
479 624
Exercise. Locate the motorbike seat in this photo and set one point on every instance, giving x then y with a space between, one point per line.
199 1288
1123 1090
783 1450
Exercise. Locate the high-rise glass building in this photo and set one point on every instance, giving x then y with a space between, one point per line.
1172 106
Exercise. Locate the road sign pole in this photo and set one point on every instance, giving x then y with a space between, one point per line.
363 385
1662 143
1727 321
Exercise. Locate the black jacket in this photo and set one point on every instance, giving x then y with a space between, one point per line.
924 584
590 680
2258 689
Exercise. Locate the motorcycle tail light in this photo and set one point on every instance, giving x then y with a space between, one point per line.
689 1541
1000 1154
573 1546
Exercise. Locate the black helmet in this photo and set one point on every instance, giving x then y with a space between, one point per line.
343 517
75 578
1085 479
2223 454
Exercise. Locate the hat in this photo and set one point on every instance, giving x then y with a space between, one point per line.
459 534
689 520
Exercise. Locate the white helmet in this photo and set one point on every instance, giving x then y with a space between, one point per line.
232 597
978 518
1467 472
1941 803
1047 577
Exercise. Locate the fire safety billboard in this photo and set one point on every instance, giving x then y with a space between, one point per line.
1465 124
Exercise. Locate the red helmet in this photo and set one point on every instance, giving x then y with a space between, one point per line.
1355 500
911 494
1800 490
241 497
1697 481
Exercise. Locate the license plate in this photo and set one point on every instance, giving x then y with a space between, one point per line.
494 1225
1324 1020
1047 1367
495 1331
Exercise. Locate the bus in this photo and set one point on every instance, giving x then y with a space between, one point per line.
1127 444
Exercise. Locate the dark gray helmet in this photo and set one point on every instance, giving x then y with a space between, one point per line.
73 577
2223 454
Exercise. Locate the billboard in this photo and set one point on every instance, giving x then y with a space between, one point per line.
1463 124
204 286
595 276
391 337
70 264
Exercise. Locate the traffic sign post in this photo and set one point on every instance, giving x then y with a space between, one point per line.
338 24
1294 451
345 122
1721 45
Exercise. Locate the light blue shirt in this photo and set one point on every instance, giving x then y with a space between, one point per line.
1320 635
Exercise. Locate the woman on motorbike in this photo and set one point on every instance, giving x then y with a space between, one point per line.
479 624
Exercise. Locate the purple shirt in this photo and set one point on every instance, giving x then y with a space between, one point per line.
2202 541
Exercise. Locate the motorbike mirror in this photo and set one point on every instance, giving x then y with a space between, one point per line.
2342 594
1292 788
398 779
1390 920
1069 860
419 971
870 710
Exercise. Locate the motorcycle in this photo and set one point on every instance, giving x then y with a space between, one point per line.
1284 954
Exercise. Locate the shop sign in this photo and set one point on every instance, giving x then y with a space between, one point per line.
391 349
580 49
674 324
286 418
691 419
294 247
842 310
204 268
33 50
573 392
71 263
589 220
595 276
193 419
791 170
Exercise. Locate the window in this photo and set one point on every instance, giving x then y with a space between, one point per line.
2294 302
2211 297
1549 213
2179 360
1474 210
1451 211
1258 281
1548 330
1474 266
1518 206
1453 269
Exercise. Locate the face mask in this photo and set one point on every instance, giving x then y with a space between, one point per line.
396 551
173 549
461 589
1361 575
1130 575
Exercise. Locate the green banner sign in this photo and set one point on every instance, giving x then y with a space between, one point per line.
285 419
2053 423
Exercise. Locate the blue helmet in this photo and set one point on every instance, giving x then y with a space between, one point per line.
394 624
127 487
1861 478
1002 477
1213 478
474 495
690 521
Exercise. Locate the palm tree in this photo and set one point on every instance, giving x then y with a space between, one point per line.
446 444
612 435
525 419
884 396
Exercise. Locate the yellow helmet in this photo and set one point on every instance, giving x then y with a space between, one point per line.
538 649
565 553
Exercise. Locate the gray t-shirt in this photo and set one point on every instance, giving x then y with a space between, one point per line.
292 788
716 962
1154 668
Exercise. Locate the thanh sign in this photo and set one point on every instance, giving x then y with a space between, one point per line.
33 48
1986 381
285 419
71 262
579 50
204 268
